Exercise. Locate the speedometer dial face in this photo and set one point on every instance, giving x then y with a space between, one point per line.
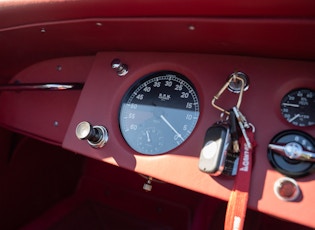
159 112
298 107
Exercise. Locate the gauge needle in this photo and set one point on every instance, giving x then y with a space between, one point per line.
291 105
293 118
148 136
171 126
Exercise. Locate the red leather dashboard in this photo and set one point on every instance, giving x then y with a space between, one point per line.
53 116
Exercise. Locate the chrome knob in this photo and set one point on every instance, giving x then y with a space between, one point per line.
147 186
119 67
96 136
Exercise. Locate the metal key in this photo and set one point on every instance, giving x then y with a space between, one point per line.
234 133
241 121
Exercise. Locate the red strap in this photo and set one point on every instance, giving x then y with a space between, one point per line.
236 209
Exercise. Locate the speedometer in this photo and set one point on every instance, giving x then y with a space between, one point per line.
298 107
159 112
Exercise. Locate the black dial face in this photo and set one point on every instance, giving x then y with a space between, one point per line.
159 112
298 107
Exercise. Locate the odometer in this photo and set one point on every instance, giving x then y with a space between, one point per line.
159 112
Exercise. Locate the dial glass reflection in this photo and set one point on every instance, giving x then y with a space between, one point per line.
159 112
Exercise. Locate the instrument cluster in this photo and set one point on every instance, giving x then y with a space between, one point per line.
151 115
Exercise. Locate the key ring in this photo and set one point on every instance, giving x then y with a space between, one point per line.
225 86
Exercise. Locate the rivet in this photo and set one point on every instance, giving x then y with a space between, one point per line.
56 123
43 30
99 24
59 67
191 27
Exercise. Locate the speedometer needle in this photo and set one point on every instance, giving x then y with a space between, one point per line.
148 136
293 118
291 105
171 126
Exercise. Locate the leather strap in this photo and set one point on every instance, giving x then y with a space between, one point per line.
237 205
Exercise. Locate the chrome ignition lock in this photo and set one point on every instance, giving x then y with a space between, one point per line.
239 82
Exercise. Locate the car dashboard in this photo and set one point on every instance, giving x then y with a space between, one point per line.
148 81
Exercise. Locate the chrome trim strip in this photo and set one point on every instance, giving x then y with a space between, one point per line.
57 86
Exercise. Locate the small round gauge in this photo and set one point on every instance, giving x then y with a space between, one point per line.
159 112
298 107
150 140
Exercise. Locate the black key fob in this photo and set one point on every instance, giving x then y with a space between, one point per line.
214 151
